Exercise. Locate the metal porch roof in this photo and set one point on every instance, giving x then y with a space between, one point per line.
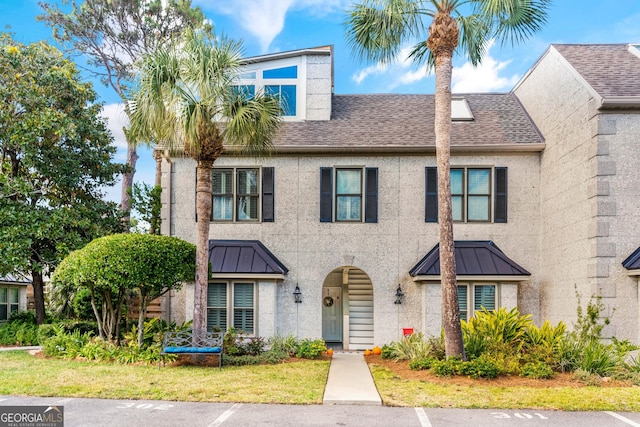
633 261
243 256
473 258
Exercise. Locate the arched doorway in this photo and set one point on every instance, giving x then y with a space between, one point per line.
347 309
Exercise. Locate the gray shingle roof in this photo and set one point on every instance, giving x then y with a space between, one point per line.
473 258
406 121
610 69
243 256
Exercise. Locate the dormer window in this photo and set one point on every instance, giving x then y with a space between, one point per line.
281 82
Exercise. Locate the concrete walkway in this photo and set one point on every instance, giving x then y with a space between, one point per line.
350 381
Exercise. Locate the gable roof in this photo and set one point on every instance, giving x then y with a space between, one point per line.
473 258
611 70
243 257
633 261
14 280
404 123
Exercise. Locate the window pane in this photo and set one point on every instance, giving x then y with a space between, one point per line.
217 306
248 76
13 308
349 181
281 73
247 208
478 181
485 296
462 301
456 208
248 181
348 208
478 208
457 181
3 295
3 312
243 307
288 93
247 91
222 181
13 295
222 208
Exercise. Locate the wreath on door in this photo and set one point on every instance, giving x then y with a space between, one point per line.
327 301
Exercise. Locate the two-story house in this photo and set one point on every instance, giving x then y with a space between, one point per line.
336 236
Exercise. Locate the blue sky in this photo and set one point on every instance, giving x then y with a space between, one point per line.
267 26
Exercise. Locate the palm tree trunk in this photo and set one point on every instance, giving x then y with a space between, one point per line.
450 310
203 212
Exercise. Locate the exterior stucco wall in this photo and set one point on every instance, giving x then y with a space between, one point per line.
588 196
385 251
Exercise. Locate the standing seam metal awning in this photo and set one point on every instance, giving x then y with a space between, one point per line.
473 258
632 263
243 257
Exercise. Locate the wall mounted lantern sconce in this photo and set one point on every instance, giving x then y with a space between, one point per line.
399 295
297 295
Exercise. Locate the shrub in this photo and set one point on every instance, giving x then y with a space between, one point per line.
273 357
598 358
537 370
481 367
285 345
447 368
411 347
243 360
421 364
253 346
386 352
18 333
495 330
544 344
311 348
65 344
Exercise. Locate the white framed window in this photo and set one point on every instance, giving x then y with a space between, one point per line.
231 304
9 302
476 296
281 81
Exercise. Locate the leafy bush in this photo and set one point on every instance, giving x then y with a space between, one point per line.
481 367
598 358
65 344
386 352
421 364
245 359
447 368
253 346
494 331
537 370
311 348
285 345
544 344
18 333
411 347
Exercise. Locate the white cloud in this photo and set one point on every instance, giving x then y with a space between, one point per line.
264 19
116 120
484 78
379 68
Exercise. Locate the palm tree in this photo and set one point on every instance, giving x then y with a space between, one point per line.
186 100
377 29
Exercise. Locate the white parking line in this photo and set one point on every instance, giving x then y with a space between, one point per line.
226 414
422 416
623 419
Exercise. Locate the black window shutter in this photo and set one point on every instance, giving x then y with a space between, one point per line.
431 194
326 194
500 196
268 199
371 195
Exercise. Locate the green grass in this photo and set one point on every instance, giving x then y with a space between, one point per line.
396 391
300 382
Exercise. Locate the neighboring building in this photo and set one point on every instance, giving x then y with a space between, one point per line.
13 295
585 99
345 209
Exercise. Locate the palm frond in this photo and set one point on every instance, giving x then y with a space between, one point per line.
376 29
474 37
514 20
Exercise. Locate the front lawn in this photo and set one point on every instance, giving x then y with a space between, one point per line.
298 382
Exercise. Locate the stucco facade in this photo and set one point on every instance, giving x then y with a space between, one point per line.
572 206
589 204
